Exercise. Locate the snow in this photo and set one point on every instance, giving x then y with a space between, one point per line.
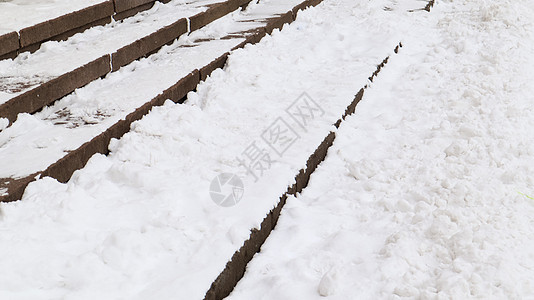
419 196
34 142
20 14
56 58
140 223
423 194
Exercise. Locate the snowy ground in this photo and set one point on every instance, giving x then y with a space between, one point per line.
418 196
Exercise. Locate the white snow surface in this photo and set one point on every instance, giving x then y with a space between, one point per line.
35 141
426 193
55 58
418 198
139 223
19 14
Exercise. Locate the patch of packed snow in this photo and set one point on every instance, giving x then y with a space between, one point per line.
425 193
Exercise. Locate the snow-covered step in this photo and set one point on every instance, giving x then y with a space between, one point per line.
61 138
31 81
236 267
18 15
140 223
25 24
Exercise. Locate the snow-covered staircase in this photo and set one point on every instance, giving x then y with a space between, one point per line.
65 102
47 137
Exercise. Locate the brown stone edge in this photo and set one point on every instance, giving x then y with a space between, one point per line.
63 169
429 5
127 8
125 5
132 11
46 93
214 12
151 43
9 44
63 36
147 44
